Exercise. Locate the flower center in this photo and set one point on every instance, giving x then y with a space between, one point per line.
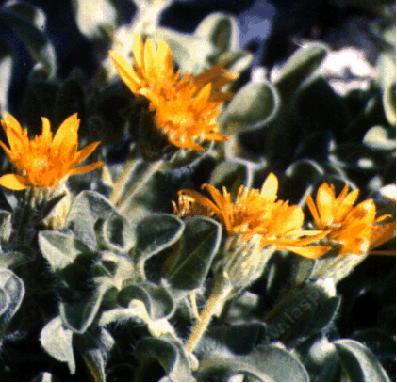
40 163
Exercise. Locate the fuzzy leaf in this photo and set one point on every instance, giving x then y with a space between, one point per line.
14 288
221 30
251 108
87 208
94 346
116 233
3 302
157 300
278 364
78 316
197 249
359 363
266 363
300 66
155 233
12 291
5 225
58 342
303 311
169 355
57 248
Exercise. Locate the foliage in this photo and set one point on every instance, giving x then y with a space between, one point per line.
109 290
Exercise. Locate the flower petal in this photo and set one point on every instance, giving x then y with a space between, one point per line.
17 138
311 252
325 204
127 74
46 134
81 155
85 169
270 187
164 60
149 56
313 210
65 139
13 182
382 234
137 51
5 148
200 199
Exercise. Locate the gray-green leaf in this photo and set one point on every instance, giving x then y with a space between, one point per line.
58 342
57 248
87 208
198 247
300 66
252 108
221 30
359 363
156 232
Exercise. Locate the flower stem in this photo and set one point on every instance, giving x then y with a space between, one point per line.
193 304
214 304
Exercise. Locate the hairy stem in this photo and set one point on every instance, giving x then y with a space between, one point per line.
193 304
214 304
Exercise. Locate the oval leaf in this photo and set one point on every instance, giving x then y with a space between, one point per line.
221 30
155 233
251 108
57 248
197 249
87 208
359 363
14 288
58 342
300 66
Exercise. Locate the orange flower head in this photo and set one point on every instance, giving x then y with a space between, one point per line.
186 106
44 160
255 212
354 228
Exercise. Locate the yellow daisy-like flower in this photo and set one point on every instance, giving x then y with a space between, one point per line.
255 212
354 228
186 106
44 160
